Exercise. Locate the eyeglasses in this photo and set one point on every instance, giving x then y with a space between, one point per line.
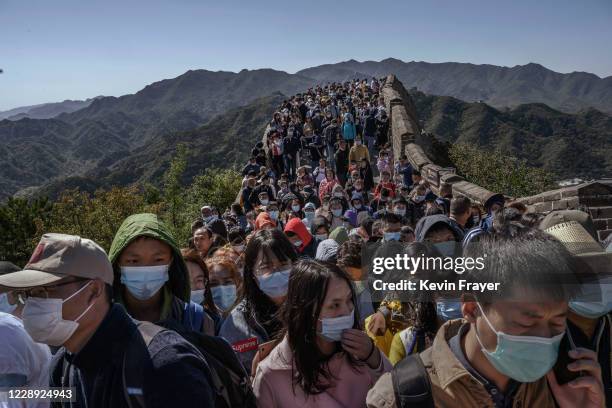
43 291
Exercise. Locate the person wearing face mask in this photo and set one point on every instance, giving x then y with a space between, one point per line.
151 278
359 152
293 204
439 231
492 204
200 289
225 282
404 209
309 214
503 351
208 215
323 359
341 160
267 264
327 185
23 362
392 226
589 321
358 211
320 228
349 259
335 212
67 288
304 243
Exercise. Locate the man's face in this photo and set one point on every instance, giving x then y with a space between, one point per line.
206 213
146 251
392 227
441 235
202 240
517 318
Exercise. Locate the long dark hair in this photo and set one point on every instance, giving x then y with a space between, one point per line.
257 303
192 255
307 288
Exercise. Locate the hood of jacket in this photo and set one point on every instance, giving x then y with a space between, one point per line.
149 225
426 223
263 220
296 226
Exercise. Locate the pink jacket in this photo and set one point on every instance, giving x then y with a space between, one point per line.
273 383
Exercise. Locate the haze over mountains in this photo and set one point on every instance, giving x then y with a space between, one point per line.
221 114
46 110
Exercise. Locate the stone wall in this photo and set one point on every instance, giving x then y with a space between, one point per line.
405 133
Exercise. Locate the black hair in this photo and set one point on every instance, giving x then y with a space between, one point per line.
366 224
460 205
258 303
391 218
349 254
523 259
300 313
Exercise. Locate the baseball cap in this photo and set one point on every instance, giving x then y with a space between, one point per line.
58 256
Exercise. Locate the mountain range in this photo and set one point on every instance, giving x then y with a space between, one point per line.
494 85
46 110
219 115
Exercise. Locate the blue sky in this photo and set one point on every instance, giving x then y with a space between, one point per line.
67 49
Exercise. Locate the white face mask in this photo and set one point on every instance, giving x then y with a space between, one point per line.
265 201
321 237
332 328
295 208
144 281
5 306
43 320
197 296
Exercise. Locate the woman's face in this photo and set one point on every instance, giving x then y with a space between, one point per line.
196 274
338 300
146 252
220 275
329 174
268 263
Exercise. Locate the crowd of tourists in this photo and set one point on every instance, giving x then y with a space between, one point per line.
270 303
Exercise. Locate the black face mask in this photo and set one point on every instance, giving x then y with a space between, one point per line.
469 223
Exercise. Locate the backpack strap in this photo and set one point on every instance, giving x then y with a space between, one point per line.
411 383
136 361
193 316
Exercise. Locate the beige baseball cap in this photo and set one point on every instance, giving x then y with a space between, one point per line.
59 256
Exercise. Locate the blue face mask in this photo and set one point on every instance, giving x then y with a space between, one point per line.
224 296
144 281
197 296
522 358
5 306
275 284
594 301
309 215
449 309
273 214
447 249
392 236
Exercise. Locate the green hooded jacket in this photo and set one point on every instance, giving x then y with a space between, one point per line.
149 225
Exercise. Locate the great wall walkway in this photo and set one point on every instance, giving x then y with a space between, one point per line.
406 137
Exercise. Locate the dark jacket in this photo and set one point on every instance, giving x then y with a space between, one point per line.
426 223
342 161
178 376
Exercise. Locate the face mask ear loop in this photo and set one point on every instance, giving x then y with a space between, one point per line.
76 293
484 349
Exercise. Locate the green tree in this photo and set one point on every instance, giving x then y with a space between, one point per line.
96 216
174 190
18 224
499 172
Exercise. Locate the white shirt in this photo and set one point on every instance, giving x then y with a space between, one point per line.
23 362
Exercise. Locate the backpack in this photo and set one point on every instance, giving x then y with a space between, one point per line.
228 378
411 383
